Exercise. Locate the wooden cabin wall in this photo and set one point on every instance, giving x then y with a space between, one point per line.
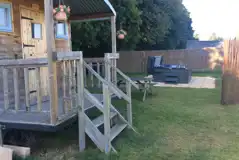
11 45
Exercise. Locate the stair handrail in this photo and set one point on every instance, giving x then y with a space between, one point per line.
112 87
124 75
93 100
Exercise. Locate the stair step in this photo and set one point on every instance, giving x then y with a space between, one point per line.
116 130
100 120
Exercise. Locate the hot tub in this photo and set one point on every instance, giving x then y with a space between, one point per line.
168 73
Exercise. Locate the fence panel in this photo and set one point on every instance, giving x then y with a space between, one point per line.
136 61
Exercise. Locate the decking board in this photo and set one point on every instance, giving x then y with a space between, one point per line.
38 118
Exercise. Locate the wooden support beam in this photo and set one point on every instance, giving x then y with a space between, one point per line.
80 98
113 34
107 103
52 70
114 48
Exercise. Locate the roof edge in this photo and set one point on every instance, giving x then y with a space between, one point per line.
89 17
110 6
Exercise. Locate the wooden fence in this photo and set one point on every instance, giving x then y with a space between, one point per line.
230 78
195 59
136 61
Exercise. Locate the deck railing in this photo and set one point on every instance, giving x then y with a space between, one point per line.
98 65
112 74
25 85
70 77
21 83
69 98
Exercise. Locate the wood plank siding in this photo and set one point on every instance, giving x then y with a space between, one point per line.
11 42
23 14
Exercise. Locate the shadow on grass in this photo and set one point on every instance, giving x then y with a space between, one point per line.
138 95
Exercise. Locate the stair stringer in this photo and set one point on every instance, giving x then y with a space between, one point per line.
122 118
93 132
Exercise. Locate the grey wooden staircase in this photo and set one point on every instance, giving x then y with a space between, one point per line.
110 119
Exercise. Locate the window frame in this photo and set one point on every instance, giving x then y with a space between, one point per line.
65 36
33 30
8 27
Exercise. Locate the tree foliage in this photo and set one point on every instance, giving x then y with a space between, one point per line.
196 36
214 37
150 24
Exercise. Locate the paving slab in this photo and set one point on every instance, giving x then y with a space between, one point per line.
196 82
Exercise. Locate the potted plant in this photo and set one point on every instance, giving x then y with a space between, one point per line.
61 13
121 34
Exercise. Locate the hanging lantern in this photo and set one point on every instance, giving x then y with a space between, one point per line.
121 34
62 12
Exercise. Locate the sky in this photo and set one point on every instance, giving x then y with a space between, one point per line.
219 16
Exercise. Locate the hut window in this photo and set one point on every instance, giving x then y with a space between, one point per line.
36 31
62 30
5 17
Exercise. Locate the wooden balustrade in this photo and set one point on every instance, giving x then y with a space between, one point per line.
98 65
24 85
16 87
69 82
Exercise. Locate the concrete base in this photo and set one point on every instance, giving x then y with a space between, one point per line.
6 153
196 82
22 152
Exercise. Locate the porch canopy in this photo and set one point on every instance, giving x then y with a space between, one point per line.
88 9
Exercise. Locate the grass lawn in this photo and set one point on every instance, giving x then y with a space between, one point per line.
174 124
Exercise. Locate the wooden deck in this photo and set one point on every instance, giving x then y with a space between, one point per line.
39 120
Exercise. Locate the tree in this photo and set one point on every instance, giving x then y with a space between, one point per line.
166 24
214 37
95 37
156 22
196 36
150 24
181 28
129 19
